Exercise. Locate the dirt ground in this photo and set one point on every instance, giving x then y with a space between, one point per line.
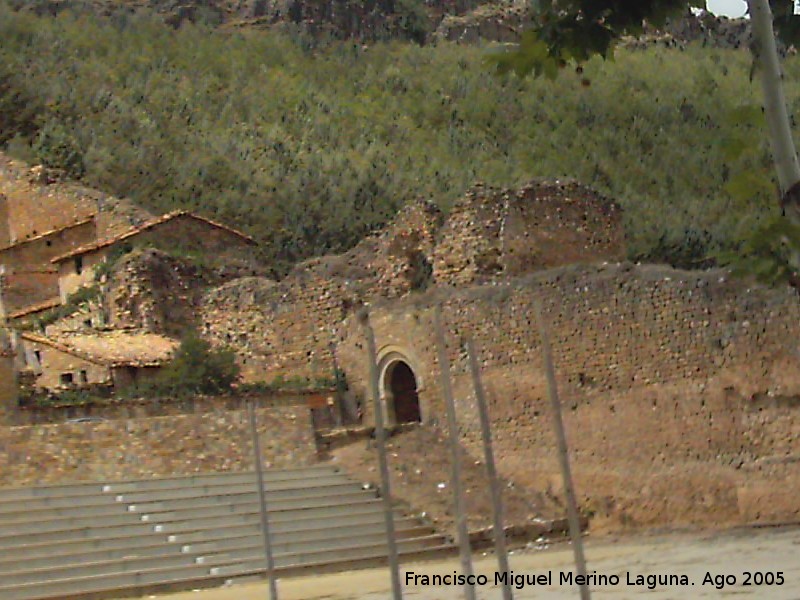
771 552
420 472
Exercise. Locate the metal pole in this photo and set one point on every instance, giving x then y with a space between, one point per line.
380 438
262 498
491 471
465 551
338 414
563 453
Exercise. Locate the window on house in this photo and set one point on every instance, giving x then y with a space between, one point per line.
49 243
78 265
84 377
38 355
87 323
66 379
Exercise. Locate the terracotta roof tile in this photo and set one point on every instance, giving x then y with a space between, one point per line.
113 348
40 236
144 227
35 308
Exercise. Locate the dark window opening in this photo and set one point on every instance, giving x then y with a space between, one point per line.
38 355
66 379
78 265
84 377
87 322
49 243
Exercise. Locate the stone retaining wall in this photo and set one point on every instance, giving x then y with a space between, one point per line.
153 447
679 388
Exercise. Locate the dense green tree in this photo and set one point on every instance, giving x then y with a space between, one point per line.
197 368
576 30
310 150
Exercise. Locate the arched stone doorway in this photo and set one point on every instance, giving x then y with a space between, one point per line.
402 388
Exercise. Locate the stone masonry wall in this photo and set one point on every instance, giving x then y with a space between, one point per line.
153 447
286 328
491 234
495 233
674 385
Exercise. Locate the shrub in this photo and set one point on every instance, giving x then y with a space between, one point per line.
197 368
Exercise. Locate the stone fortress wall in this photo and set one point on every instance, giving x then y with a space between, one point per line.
289 328
680 389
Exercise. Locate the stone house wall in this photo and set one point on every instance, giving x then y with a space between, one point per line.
5 225
78 272
182 234
153 447
23 288
674 384
37 252
36 200
51 365
8 378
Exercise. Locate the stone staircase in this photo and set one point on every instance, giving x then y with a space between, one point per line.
117 539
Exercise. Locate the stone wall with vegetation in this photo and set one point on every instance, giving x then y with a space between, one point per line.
680 389
153 447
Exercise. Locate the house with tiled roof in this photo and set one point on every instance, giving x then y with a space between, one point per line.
74 359
180 231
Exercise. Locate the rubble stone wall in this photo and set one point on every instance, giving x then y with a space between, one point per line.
674 384
142 408
286 328
505 233
491 234
153 447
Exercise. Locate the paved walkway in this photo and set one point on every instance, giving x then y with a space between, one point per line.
686 560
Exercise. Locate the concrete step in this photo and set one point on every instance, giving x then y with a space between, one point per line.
186 532
176 482
193 577
157 546
285 554
18 511
187 523
129 538
167 515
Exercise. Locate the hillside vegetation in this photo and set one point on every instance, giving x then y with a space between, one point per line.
309 149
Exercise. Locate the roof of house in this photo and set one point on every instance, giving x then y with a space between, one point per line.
41 236
35 308
113 348
144 227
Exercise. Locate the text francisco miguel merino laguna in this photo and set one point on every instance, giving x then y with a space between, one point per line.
522 580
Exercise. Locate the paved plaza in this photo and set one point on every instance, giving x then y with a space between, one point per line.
723 560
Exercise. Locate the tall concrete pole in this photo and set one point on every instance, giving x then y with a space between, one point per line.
498 528
380 438
563 453
465 551
262 499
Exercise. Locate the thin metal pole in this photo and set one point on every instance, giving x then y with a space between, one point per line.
380 438
338 413
563 453
465 551
491 471
262 498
